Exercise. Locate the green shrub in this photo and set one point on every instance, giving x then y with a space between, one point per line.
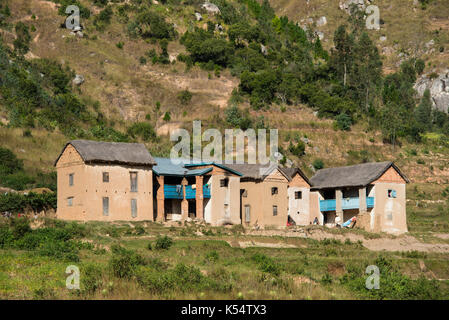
18 203
343 122
143 130
318 164
212 256
123 262
266 264
9 162
167 116
298 149
65 250
163 243
185 97
91 279
326 279
20 227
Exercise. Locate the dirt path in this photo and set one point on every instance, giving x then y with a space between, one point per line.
400 243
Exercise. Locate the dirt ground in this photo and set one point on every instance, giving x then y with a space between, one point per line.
400 243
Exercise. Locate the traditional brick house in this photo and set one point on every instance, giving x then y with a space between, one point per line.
372 192
104 181
298 196
263 195
205 191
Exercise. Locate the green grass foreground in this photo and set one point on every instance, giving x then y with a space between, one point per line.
147 260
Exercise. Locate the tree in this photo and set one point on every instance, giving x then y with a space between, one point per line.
367 70
341 59
22 42
423 112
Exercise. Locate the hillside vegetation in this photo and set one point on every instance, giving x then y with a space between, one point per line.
152 67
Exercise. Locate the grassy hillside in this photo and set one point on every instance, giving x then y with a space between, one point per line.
126 87
149 261
406 24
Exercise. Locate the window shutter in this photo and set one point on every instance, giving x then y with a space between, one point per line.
133 208
247 213
105 206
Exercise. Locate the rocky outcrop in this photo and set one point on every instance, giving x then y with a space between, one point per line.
210 7
439 90
346 5
78 80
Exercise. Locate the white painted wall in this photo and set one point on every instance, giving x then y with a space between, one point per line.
299 209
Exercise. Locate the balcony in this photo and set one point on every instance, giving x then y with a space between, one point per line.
346 204
176 192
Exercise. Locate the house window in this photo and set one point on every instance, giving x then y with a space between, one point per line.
133 176
244 193
274 190
105 176
247 213
71 179
391 193
105 206
133 208
298 194
275 210
224 182
70 201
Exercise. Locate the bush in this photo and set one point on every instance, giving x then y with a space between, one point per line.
212 256
149 24
9 162
343 122
167 116
143 130
318 164
185 97
181 278
266 264
298 149
163 243
20 227
91 279
124 262
65 250
18 203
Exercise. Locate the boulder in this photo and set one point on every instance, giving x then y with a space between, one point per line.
263 49
320 35
346 5
439 90
198 16
78 80
210 7
321 21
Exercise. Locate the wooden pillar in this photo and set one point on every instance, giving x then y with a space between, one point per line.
160 217
199 198
338 204
362 200
184 202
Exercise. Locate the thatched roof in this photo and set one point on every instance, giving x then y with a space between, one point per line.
135 154
255 171
291 172
352 176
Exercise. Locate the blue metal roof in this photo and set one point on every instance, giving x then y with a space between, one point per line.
165 167
199 164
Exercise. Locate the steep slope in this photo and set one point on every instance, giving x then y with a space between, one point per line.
130 90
